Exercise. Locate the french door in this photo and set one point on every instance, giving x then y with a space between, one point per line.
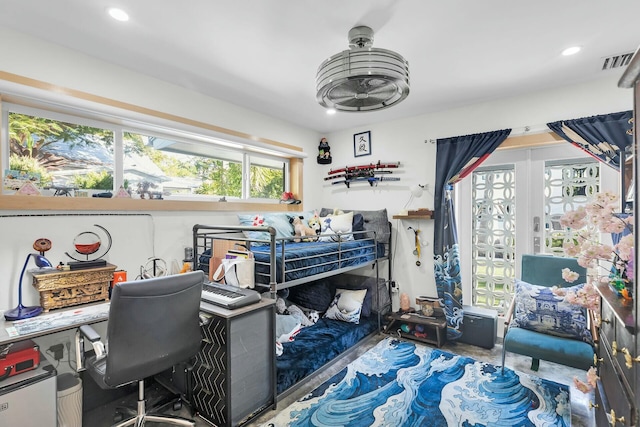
511 206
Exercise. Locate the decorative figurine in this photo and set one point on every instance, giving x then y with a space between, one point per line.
324 152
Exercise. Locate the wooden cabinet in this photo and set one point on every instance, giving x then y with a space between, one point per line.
234 373
617 392
64 288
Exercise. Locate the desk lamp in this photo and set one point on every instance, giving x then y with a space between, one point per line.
22 312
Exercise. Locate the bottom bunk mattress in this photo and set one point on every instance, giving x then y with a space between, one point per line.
306 259
316 345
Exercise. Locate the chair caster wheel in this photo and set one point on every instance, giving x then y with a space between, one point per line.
177 406
118 417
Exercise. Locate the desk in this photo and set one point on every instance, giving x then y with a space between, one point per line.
49 323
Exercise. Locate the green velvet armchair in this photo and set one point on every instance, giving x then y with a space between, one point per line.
546 270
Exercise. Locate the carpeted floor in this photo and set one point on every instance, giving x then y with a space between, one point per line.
581 414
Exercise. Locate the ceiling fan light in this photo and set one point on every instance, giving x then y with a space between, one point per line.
362 78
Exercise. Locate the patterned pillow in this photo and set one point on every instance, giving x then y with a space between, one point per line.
279 221
539 309
346 305
335 224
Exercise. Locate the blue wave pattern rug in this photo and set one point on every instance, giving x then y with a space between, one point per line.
400 383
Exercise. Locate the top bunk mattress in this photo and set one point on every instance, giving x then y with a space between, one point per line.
299 260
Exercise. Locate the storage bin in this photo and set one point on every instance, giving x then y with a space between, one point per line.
479 326
69 400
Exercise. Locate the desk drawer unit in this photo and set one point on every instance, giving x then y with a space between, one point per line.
479 327
234 372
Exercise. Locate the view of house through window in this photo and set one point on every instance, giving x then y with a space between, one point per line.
71 155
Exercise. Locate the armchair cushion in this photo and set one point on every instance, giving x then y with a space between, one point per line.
538 309
538 346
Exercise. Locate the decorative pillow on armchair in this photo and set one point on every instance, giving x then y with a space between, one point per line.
538 309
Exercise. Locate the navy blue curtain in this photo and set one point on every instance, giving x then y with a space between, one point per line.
456 158
604 137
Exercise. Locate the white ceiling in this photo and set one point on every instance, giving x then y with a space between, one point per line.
264 54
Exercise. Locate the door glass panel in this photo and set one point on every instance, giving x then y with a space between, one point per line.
493 237
568 185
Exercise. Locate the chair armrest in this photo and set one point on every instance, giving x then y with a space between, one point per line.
509 315
86 331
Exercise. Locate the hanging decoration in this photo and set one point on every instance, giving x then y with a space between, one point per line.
324 152
416 250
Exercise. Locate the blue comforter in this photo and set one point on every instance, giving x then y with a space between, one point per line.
306 259
316 345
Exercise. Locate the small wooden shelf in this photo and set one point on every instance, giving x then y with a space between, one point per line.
412 217
435 327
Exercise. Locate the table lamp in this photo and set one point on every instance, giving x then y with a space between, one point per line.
22 312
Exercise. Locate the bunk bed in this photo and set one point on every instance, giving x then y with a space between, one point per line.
309 271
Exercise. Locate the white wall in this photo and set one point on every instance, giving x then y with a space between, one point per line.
166 234
404 141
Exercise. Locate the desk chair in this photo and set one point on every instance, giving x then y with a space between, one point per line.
153 325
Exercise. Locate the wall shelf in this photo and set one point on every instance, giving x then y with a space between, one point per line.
412 217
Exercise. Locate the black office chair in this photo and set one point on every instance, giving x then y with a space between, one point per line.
153 325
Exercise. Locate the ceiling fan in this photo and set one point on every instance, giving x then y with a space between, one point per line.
362 78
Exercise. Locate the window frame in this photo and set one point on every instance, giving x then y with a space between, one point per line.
67 113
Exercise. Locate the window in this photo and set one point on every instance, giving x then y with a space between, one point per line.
60 151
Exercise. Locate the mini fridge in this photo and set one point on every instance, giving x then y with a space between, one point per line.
29 399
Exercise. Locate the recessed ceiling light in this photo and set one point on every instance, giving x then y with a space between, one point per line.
571 50
118 14
331 111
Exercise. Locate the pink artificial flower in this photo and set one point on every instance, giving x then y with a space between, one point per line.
592 376
569 276
583 387
574 219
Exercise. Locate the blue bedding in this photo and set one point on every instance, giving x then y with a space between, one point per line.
316 345
307 259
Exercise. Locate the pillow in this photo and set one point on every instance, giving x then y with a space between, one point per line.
358 225
346 305
315 295
334 224
539 309
279 221
377 221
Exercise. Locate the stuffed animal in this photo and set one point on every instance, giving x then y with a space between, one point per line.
314 223
302 230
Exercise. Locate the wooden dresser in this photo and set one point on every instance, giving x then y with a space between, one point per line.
618 390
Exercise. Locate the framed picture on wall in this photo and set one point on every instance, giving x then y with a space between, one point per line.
362 144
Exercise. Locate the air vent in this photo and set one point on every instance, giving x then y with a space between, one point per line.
616 61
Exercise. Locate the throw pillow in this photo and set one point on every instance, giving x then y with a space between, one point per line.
336 224
539 309
377 221
358 225
314 296
346 305
279 221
